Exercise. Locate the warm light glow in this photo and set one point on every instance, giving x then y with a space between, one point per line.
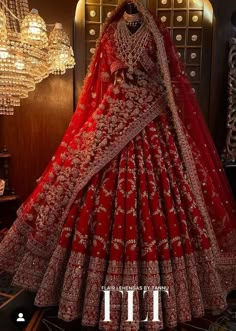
25 58
64 56
19 64
3 25
33 30
2 19
61 56
4 53
208 11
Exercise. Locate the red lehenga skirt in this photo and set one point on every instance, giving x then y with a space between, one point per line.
135 223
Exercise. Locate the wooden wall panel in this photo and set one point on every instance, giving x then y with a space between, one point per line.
190 24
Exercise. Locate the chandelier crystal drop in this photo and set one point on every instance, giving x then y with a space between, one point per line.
3 25
34 30
61 56
27 54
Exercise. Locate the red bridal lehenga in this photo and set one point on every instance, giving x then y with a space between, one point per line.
134 196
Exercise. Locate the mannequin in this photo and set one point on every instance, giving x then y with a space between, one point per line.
131 9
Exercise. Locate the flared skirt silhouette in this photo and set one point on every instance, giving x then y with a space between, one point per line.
134 224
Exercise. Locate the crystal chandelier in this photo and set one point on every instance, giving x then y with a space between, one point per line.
27 54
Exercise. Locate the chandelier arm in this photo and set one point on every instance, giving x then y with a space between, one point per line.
9 10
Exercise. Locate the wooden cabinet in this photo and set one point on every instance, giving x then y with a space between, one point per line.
190 23
9 201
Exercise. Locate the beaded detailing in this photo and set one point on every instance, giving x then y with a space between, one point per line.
130 46
133 20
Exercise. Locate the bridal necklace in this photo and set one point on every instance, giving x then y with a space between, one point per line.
133 20
130 46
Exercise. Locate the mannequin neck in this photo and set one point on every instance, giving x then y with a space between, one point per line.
132 17
130 8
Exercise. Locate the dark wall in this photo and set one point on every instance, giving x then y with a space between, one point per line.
34 132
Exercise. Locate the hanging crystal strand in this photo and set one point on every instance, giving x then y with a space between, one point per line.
14 24
3 7
18 9
23 8
24 55
4 2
